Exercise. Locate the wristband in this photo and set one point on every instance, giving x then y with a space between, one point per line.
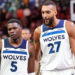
32 73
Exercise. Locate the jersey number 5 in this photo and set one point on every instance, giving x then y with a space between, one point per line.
13 65
53 45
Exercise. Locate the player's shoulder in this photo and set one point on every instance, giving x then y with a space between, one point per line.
37 32
69 23
38 29
70 26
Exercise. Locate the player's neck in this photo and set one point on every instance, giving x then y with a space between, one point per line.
15 41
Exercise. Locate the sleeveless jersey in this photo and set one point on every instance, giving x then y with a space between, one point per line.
14 60
55 46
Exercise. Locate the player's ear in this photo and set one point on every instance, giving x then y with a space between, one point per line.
55 11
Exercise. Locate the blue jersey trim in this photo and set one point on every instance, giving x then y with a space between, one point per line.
8 45
55 32
15 52
59 25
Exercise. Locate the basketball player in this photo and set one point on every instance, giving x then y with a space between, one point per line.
56 38
15 51
26 34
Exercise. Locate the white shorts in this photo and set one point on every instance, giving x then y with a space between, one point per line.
58 72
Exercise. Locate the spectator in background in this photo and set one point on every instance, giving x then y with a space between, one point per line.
19 13
32 26
26 34
25 22
3 14
12 9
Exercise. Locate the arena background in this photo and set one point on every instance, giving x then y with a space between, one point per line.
29 13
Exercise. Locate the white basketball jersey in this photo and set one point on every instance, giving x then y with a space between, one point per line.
55 46
14 60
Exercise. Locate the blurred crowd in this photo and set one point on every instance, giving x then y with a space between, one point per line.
29 15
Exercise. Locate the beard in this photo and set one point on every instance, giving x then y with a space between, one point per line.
48 21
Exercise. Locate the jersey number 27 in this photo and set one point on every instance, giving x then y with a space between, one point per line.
53 45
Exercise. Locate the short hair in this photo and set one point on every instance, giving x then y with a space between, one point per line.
15 21
27 29
49 2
